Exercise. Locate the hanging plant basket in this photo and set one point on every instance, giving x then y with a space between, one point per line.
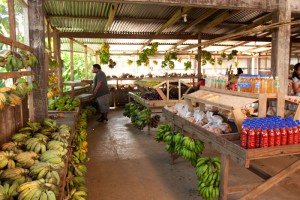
129 62
104 53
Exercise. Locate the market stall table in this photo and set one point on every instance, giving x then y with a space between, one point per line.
74 84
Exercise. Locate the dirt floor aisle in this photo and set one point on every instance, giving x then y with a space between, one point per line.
128 164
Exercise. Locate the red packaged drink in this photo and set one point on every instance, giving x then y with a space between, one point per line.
290 134
277 135
257 137
271 135
296 133
251 137
244 136
264 139
283 135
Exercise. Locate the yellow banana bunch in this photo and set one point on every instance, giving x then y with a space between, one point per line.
7 159
78 194
50 94
14 174
26 159
12 146
14 100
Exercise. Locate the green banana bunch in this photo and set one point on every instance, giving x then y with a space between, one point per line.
208 173
160 132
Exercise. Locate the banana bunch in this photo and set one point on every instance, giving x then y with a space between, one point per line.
160 132
191 148
141 118
8 191
38 189
56 145
50 95
14 100
51 158
14 175
77 194
77 181
42 137
79 157
81 136
178 140
7 159
16 147
130 108
37 145
79 170
3 99
49 125
154 121
49 153
56 136
35 126
43 170
208 173
26 130
62 103
20 137
52 79
3 56
26 159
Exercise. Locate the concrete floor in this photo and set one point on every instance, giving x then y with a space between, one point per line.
128 164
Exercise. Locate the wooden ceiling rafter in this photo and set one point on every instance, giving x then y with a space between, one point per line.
258 47
142 20
170 22
236 45
243 33
83 45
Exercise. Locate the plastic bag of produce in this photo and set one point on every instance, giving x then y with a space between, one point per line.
225 127
215 119
199 115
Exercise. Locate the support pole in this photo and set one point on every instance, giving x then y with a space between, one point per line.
72 60
56 47
281 52
199 58
86 62
38 99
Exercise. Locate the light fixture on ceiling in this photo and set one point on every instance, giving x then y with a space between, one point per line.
184 17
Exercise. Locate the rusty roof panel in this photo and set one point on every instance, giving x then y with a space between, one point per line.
146 11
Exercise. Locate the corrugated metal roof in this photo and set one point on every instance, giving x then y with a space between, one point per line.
77 8
134 27
246 16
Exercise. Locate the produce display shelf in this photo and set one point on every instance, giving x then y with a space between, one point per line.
231 149
70 118
152 103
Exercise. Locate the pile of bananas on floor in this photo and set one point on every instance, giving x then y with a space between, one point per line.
32 162
207 169
140 116
75 184
13 61
12 96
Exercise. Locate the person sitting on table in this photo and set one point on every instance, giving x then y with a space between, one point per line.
296 79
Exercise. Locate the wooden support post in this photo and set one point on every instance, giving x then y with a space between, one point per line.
179 90
281 41
86 62
262 109
272 181
72 59
11 20
56 47
38 99
168 91
49 37
199 58
224 177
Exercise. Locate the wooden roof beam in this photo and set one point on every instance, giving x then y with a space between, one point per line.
222 17
236 45
198 20
83 45
257 47
270 5
242 33
170 22
258 22
112 12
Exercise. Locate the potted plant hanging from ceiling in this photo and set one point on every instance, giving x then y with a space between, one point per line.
187 65
104 53
169 56
155 62
111 63
144 56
